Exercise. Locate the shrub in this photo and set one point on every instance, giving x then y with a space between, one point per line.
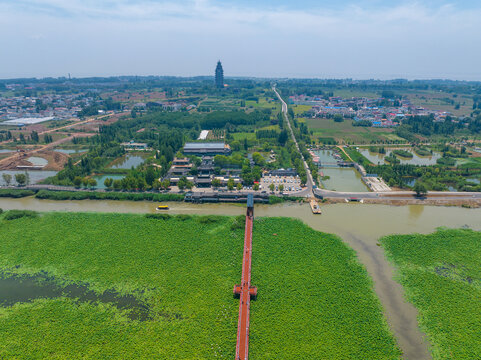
93 195
183 217
158 216
209 219
16 193
239 222
17 214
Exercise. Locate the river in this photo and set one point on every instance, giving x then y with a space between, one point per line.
359 225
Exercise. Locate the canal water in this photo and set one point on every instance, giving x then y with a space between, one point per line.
359 225
378 159
340 179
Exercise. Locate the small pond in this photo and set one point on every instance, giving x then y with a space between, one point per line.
326 156
37 161
343 179
378 159
127 161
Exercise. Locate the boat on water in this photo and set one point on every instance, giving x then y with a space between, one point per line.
162 207
315 207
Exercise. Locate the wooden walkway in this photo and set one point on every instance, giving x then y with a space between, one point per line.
245 291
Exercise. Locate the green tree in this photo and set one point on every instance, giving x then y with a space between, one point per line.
165 184
141 184
157 184
34 136
230 184
420 189
21 179
216 183
77 181
258 159
338 118
283 137
108 183
117 184
181 183
7 178
150 175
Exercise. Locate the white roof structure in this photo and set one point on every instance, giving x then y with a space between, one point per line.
203 134
27 121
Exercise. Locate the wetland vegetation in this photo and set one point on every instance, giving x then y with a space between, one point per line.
183 269
440 273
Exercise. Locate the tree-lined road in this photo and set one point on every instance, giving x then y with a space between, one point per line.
307 192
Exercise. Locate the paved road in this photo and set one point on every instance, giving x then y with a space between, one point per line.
308 191
399 195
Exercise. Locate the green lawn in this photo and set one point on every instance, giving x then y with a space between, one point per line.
442 278
315 300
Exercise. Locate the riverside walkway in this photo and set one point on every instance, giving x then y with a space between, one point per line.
245 291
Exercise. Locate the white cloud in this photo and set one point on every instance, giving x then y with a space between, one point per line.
185 38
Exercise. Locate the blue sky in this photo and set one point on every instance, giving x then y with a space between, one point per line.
265 38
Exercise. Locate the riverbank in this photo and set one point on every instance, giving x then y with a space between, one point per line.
465 203
87 194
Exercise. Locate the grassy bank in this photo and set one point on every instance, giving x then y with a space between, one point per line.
441 275
14 193
91 195
357 157
315 300
403 153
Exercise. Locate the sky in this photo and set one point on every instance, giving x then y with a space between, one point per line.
362 39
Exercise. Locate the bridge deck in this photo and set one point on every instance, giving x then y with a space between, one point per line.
245 291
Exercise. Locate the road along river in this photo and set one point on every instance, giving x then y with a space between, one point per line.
359 225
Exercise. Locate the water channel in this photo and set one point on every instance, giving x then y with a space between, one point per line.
359 225
340 178
378 159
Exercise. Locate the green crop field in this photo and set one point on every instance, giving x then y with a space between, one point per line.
315 300
442 278
345 132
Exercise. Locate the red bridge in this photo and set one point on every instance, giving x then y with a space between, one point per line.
245 291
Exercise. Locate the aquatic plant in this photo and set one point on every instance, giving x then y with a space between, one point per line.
442 278
315 300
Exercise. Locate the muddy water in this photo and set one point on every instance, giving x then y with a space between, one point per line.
359 225
15 289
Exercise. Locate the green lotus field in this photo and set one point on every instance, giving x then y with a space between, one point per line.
315 300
